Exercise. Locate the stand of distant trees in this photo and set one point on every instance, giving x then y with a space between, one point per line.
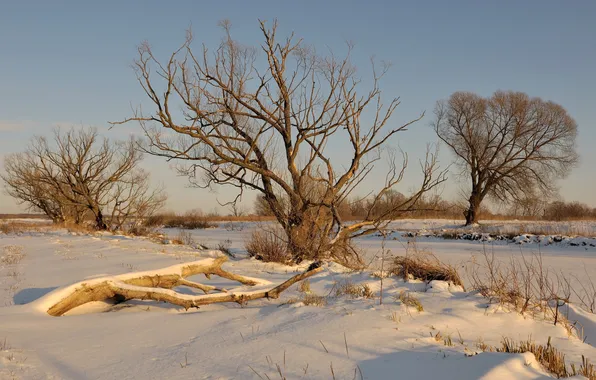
436 207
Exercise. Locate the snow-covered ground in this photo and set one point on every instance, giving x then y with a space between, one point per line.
345 339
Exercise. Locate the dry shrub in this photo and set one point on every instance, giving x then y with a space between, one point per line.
547 355
267 246
348 288
346 254
524 285
586 292
426 267
184 238
409 300
141 230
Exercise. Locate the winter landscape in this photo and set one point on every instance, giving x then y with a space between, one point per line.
318 331
329 190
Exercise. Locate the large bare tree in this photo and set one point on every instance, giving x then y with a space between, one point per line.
264 118
81 174
512 146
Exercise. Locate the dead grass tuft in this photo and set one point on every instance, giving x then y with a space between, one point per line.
409 300
308 298
426 267
547 355
304 286
183 238
348 288
311 299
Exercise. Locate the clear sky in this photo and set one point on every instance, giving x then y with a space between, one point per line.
68 63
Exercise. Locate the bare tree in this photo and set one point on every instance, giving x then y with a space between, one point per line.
512 146
264 123
79 174
22 181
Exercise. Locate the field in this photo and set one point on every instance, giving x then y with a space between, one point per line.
333 327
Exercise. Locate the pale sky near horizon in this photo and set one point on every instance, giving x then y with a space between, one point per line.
69 63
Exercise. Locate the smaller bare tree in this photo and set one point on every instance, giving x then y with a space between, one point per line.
82 174
512 146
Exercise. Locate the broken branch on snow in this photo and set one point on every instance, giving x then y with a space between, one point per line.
157 286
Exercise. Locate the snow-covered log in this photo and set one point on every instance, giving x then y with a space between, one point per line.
158 286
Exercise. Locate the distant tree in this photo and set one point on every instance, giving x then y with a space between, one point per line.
81 174
560 210
530 205
265 123
510 145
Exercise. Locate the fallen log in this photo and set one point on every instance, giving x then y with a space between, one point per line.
158 286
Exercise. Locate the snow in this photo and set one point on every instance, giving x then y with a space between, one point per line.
150 340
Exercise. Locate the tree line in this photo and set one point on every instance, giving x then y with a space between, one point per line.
434 206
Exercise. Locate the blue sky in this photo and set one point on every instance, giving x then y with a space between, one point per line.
68 63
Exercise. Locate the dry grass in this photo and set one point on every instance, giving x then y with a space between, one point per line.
11 255
586 293
14 227
267 246
308 297
346 287
409 300
183 238
447 341
304 286
395 317
311 299
190 221
425 266
548 356
537 228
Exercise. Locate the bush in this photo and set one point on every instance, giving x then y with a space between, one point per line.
267 246
525 285
426 267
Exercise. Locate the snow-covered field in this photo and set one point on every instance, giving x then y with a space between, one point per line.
348 338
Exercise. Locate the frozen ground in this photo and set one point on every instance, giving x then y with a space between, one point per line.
350 338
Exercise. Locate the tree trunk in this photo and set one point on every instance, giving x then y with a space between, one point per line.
471 213
100 224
